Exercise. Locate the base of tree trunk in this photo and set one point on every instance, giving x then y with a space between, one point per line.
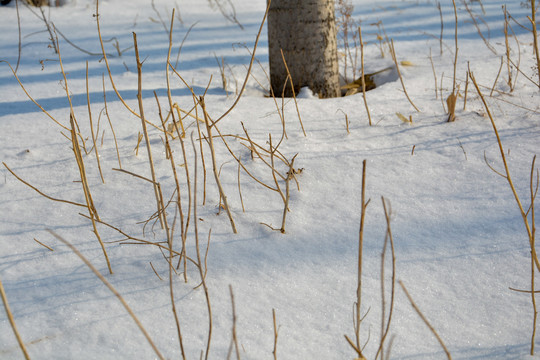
306 33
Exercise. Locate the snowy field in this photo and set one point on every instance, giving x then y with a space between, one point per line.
460 241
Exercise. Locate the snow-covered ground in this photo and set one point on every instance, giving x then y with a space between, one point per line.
460 241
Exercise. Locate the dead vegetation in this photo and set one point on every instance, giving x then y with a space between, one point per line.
178 124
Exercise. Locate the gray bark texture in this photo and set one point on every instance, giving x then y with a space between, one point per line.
305 30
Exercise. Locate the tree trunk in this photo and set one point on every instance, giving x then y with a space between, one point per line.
305 30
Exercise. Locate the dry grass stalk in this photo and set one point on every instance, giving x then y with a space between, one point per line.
197 248
497 77
276 331
535 311
452 98
109 120
385 322
466 89
32 99
249 67
290 175
507 46
273 167
201 148
356 345
234 339
160 210
362 76
346 23
289 76
184 227
532 19
112 289
393 53
214 165
139 241
242 165
92 126
12 322
425 320
280 112
533 193
441 92
107 64
434 74
239 187
442 29
20 35
155 272
529 226
87 194
42 244
48 25
508 177
222 73
39 192
169 233
72 117
473 18
182 43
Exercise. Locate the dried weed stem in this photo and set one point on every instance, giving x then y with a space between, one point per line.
197 248
12 322
393 53
209 126
508 177
159 200
363 75
92 126
425 320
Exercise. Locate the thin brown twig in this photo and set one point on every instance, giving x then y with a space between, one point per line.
20 40
143 122
385 327
209 127
92 126
155 272
92 212
508 177
425 320
39 192
289 76
473 18
169 234
32 99
42 244
250 65
107 64
12 321
290 174
363 75
197 248
234 337
532 19
393 53
358 304
533 270
109 120
276 331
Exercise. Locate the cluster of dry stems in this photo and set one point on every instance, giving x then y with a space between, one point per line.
172 128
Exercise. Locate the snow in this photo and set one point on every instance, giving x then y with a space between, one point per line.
460 241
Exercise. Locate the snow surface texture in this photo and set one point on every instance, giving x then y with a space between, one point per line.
460 242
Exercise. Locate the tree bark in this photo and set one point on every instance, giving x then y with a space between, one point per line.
305 30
